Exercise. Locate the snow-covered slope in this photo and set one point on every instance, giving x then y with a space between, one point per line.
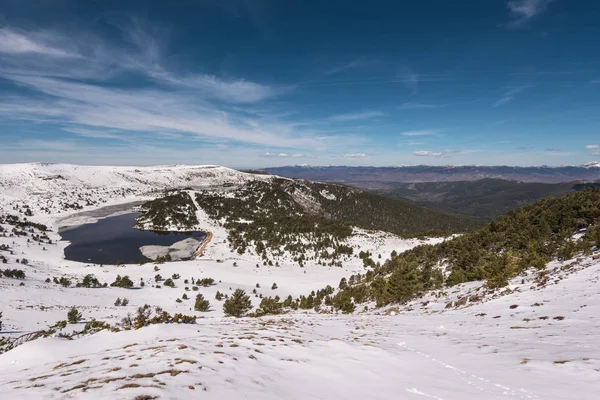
532 344
536 339
56 188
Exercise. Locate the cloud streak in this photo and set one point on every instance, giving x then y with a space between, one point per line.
352 155
522 11
418 133
286 155
357 116
16 42
510 94
420 106
427 153
72 75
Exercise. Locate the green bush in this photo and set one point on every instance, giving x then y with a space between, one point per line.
238 304
122 282
201 304
73 316
169 282
269 306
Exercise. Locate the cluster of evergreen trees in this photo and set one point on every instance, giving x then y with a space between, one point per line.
176 208
526 237
264 216
13 273
16 221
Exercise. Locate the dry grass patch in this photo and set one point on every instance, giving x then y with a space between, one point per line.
172 372
186 361
141 376
154 348
129 386
109 380
40 377
80 386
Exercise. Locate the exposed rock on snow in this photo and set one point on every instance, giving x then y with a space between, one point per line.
182 250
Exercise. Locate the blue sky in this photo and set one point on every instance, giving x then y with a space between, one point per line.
267 83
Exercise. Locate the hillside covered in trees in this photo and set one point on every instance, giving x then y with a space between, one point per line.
483 199
307 220
284 197
557 228
175 210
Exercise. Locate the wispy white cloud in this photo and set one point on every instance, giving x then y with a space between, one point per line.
94 134
357 116
353 155
287 155
233 91
416 106
14 42
419 133
596 153
510 94
409 79
592 146
359 63
522 11
427 153
56 65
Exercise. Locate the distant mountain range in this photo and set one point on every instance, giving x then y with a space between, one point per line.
385 177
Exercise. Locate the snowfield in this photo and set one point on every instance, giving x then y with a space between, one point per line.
539 338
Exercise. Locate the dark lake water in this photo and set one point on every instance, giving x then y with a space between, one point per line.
113 240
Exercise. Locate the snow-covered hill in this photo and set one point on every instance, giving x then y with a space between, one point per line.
536 339
50 189
532 344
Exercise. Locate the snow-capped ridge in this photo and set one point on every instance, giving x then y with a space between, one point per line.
50 188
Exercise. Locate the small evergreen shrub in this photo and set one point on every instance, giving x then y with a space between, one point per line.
238 305
73 316
201 303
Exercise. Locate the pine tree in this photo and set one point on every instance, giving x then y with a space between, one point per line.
122 282
269 306
201 304
238 304
73 316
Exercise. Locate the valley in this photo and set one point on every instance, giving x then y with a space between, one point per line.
465 340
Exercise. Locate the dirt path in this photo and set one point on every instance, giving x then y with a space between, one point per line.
206 241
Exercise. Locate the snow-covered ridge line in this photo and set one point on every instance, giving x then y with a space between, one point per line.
50 189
